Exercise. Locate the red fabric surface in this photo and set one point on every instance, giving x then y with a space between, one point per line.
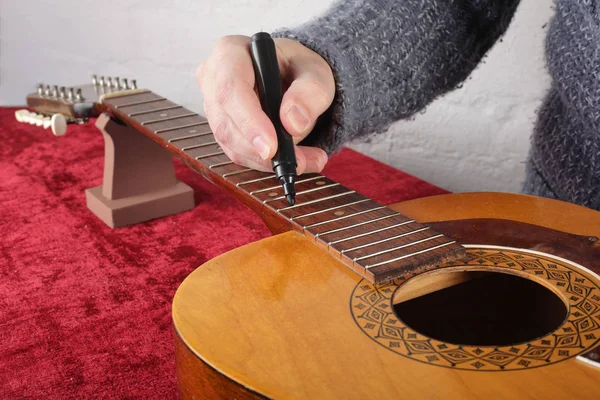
85 310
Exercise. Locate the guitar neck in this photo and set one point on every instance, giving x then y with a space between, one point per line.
373 240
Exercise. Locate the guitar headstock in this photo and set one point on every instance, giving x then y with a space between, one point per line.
56 106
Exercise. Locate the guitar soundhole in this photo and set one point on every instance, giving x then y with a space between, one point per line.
489 309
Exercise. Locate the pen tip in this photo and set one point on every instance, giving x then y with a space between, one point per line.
290 199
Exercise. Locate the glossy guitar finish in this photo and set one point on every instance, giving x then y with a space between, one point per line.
257 322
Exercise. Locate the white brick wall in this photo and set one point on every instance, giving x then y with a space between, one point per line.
474 139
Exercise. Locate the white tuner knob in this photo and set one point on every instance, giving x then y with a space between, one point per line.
21 114
38 120
58 123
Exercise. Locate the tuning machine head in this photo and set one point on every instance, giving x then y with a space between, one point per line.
111 84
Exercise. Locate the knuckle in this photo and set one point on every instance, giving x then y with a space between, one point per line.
223 91
319 93
222 133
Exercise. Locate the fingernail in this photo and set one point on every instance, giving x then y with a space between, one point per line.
298 118
261 147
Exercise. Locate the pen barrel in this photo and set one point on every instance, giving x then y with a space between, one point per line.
270 92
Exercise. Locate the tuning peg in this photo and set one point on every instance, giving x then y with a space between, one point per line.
54 92
94 80
20 115
78 96
38 120
63 92
125 83
117 84
47 91
109 81
40 89
58 124
133 84
102 82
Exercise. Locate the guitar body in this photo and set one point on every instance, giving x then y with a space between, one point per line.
280 318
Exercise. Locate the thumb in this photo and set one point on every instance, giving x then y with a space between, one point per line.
309 96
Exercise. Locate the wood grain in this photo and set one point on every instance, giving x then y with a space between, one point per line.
278 322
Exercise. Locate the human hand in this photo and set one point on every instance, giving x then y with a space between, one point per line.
233 109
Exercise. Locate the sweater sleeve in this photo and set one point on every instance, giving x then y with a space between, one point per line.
391 58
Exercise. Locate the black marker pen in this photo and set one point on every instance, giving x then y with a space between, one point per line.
270 91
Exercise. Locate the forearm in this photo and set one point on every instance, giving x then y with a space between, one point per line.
391 58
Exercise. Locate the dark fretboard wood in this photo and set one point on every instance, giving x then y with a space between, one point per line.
373 240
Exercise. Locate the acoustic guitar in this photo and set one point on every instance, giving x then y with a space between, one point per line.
506 303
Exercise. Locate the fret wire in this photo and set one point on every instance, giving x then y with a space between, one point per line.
385 240
220 164
316 201
137 103
279 186
343 217
116 95
358 224
188 137
242 171
397 248
255 180
197 146
328 209
411 254
180 127
155 110
155 121
302 192
371 232
218 153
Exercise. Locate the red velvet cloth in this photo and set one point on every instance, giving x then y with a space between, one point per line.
85 310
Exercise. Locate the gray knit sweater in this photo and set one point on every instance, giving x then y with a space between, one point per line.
391 58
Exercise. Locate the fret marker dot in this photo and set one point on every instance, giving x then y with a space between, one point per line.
339 213
192 131
273 194
319 183
163 115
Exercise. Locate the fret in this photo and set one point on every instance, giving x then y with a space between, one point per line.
197 146
222 164
384 240
319 235
176 139
276 189
397 248
302 192
325 210
242 171
158 120
160 131
367 236
359 235
279 186
404 256
343 217
193 141
305 192
385 234
134 114
199 152
269 176
153 105
295 206
214 154
137 103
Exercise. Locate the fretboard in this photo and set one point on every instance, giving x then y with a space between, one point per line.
373 240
